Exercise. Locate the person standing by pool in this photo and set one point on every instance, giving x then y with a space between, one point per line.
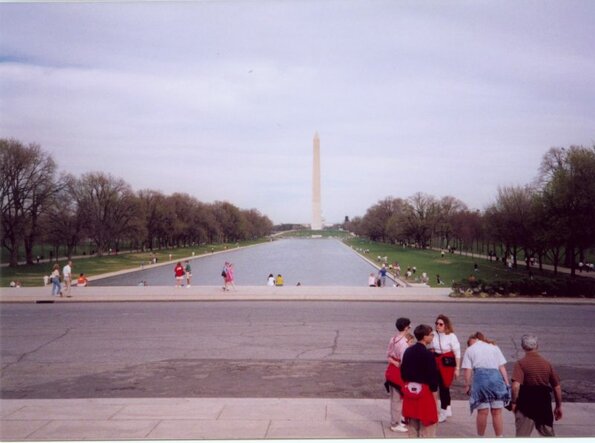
447 351
382 274
188 271
179 274
228 277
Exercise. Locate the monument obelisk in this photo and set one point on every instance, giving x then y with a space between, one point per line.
316 211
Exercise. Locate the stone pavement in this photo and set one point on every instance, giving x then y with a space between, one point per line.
238 418
255 293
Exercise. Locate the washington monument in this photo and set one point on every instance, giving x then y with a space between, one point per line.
316 211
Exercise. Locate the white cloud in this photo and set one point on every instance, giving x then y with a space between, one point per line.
221 99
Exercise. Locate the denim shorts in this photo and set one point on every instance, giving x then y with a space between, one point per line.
496 404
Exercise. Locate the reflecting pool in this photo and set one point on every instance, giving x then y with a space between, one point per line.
312 262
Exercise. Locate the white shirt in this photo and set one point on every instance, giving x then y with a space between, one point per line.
271 281
66 271
444 343
483 355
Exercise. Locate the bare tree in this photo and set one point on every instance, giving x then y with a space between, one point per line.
110 208
27 177
567 177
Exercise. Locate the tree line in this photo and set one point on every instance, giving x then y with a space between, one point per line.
41 206
551 219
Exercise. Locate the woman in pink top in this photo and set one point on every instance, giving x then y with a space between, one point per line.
396 348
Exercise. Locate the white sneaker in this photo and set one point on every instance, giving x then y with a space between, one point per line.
442 415
448 411
399 428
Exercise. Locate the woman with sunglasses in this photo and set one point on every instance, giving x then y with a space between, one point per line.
447 351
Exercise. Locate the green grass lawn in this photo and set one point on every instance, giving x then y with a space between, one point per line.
32 275
452 268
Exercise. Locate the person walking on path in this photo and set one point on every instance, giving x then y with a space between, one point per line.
228 278
420 376
55 279
188 271
486 382
67 275
532 378
447 351
396 348
179 274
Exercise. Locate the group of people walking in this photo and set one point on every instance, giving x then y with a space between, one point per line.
422 367
56 279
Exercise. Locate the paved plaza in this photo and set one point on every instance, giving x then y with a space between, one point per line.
238 418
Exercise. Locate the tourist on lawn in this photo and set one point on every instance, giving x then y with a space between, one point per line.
486 382
532 379
447 351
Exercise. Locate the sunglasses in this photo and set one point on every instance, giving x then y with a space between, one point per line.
439 323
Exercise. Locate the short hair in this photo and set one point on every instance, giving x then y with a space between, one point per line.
448 328
402 323
529 342
421 331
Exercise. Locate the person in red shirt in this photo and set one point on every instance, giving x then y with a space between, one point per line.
179 273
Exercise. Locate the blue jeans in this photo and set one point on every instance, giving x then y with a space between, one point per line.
56 286
488 386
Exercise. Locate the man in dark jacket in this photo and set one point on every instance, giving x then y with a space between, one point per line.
419 370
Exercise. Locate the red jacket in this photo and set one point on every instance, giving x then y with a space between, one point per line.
420 406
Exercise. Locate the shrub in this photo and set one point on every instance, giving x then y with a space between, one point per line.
561 287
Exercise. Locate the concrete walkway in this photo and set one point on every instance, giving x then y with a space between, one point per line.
238 418
262 293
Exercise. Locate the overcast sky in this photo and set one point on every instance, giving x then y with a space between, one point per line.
221 99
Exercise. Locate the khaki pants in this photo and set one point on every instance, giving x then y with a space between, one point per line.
524 426
418 430
396 404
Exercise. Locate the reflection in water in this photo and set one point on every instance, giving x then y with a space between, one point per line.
312 262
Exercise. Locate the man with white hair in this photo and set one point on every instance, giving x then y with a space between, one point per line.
533 377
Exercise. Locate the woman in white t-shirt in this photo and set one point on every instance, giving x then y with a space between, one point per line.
490 390
447 351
